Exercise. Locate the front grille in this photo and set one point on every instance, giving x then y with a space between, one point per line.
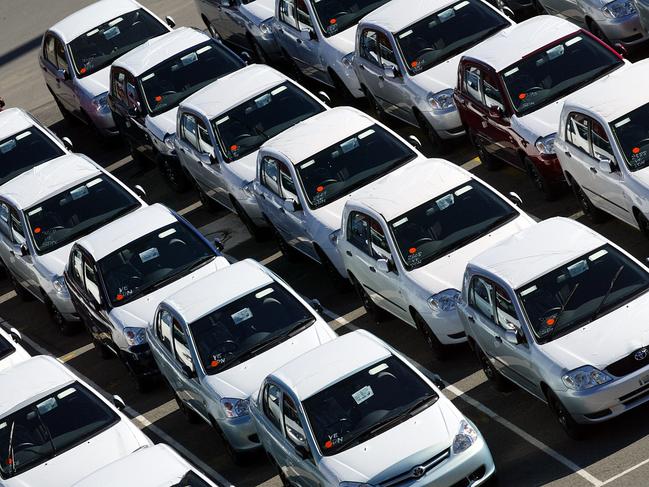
474 476
418 471
632 362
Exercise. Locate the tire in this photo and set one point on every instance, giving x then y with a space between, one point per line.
207 202
597 31
375 109
293 69
255 231
439 350
491 162
64 326
548 189
189 415
21 292
573 429
239 459
289 252
67 116
643 223
102 350
174 175
258 51
211 29
590 210
376 313
439 145
344 95
497 380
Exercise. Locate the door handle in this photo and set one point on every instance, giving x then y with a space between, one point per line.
470 318
498 339
361 66
593 170
568 154
348 253
381 78
298 40
372 269
262 196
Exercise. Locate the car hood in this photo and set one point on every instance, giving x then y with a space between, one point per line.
96 83
245 168
447 272
642 177
162 124
259 10
604 341
377 459
15 358
344 41
53 263
440 77
79 462
244 379
542 122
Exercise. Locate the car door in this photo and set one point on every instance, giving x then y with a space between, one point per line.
300 471
190 388
128 111
94 305
53 52
234 24
270 428
295 218
392 87
294 27
9 246
578 162
368 65
76 283
480 314
23 265
65 84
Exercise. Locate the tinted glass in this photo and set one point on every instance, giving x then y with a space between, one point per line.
6 348
337 15
366 404
25 150
557 70
581 289
447 33
248 326
78 211
153 261
632 133
354 162
49 427
173 80
191 479
244 128
100 46
448 222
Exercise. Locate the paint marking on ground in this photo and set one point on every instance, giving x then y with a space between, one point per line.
471 164
76 353
7 296
190 208
271 258
116 165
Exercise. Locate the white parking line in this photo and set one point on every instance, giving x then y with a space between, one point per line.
271 258
471 164
7 296
190 208
116 165
156 414
76 353
628 470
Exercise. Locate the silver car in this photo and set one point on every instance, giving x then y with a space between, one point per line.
242 24
561 311
615 22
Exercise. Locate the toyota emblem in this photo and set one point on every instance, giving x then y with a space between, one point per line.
418 472
641 354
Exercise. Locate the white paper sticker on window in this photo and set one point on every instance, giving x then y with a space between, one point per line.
264 292
93 182
166 233
149 254
597 255
363 394
148 77
464 189
377 369
307 164
23 135
243 315
529 290
277 91
400 222
445 201
79 193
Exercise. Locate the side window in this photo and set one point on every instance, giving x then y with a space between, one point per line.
358 231
204 141
369 47
76 267
506 313
189 130
132 95
287 12
481 296
303 18
180 345
92 284
61 60
472 83
388 58
577 129
119 91
272 395
378 242
163 329
49 49
270 174
288 186
4 220
17 227
292 426
492 95
601 144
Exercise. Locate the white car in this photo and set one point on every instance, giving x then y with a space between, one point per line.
407 55
217 339
11 350
305 175
77 52
155 466
55 429
355 413
148 84
317 37
561 311
26 143
42 212
118 275
603 147
221 127
406 239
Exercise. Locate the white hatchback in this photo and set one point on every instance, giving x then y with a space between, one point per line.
406 239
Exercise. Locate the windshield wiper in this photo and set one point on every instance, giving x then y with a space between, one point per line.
608 293
560 313
300 326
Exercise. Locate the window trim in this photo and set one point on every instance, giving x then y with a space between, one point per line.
471 300
266 409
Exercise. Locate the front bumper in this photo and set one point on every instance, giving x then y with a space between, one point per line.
140 361
349 78
549 167
240 433
626 30
65 306
446 123
446 325
102 120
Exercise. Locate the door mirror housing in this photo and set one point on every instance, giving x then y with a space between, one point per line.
621 49
512 337
390 72
139 190
170 21
218 245
15 335
291 205
188 371
315 304
135 111
23 251
383 265
415 142
606 165
67 143
496 112
326 99
62 74
514 198
208 159
119 402
437 380
312 35
246 57
302 452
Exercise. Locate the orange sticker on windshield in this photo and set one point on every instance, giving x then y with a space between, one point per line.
320 189
333 21
636 150
214 363
83 70
158 98
37 230
522 96
412 250
328 444
119 297
414 64
234 147
550 321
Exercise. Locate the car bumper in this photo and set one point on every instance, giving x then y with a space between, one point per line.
349 78
549 167
240 433
65 306
103 121
140 361
446 123
269 46
626 30
446 325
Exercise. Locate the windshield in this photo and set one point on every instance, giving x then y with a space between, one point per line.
448 222
581 291
557 70
340 169
248 326
6 348
366 404
336 16
173 80
243 129
153 261
447 33
25 150
77 211
49 427
100 46
632 133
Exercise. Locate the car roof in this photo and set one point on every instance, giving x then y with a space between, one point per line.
327 364
90 17
31 379
219 288
14 120
233 89
418 182
48 179
615 95
126 229
154 466
159 49
396 15
511 45
323 130
537 250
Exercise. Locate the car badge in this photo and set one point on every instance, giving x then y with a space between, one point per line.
418 472
641 354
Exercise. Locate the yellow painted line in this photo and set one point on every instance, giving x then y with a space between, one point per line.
472 164
76 353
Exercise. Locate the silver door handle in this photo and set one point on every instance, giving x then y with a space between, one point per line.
470 318
361 66
568 154
498 339
593 170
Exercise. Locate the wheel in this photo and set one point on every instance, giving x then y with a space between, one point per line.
293 69
260 55
339 282
540 182
67 116
207 202
240 459
498 381
597 31
21 292
643 223
431 134
376 110
376 313
488 160
190 415
255 231
591 211
211 29
344 95
504 8
102 350
289 252
573 429
439 350
65 327
174 175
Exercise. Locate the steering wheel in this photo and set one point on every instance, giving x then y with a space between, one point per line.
643 142
534 89
340 14
549 313
241 137
53 229
424 51
169 92
329 181
231 346
24 446
422 240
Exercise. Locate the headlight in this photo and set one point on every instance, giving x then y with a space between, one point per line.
235 408
584 378
58 283
619 8
266 27
442 100
444 301
101 102
466 437
248 189
545 145
347 60
134 336
169 142
333 237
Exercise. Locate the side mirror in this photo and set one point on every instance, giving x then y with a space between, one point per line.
383 265
315 304
606 165
390 72
246 57
495 112
207 158
511 336
188 371
135 111
302 452
23 250
62 74
218 245
67 143
312 35
119 402
514 198
170 21
15 335
139 190
437 380
621 49
290 205
324 97
415 142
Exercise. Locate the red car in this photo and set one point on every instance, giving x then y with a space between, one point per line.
511 89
